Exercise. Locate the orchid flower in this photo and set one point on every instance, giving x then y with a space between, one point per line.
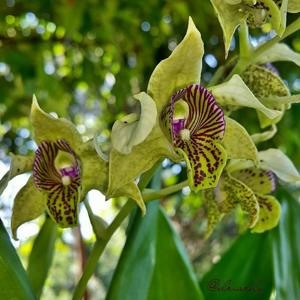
64 169
232 13
196 133
182 120
249 186
179 119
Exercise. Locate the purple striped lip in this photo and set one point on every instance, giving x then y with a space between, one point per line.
205 119
46 175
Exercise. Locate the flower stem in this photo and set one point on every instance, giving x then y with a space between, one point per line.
101 243
292 28
149 195
244 63
98 249
245 47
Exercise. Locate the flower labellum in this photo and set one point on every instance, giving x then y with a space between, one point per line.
56 172
195 125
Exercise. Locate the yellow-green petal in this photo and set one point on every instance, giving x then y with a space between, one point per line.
124 169
29 204
19 164
47 127
230 17
269 213
276 161
236 93
129 132
235 192
294 6
180 69
278 52
258 180
237 142
264 136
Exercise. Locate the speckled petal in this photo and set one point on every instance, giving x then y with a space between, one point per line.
62 197
260 181
205 162
236 192
214 215
269 213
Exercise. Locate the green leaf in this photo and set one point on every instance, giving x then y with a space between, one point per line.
230 17
247 264
129 132
28 205
237 142
47 127
14 283
236 93
276 161
180 69
41 256
19 164
153 264
286 249
294 6
278 52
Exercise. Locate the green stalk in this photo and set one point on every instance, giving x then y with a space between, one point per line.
292 28
100 244
243 63
148 196
98 249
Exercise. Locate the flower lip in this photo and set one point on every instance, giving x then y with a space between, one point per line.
56 172
195 130
205 118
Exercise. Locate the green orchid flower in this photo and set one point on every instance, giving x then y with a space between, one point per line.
182 120
179 119
232 13
64 169
249 186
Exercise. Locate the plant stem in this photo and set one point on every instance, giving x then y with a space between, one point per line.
293 27
244 63
101 243
98 249
148 196
245 47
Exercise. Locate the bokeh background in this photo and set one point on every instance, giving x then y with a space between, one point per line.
84 60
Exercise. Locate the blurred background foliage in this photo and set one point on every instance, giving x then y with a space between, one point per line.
84 60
